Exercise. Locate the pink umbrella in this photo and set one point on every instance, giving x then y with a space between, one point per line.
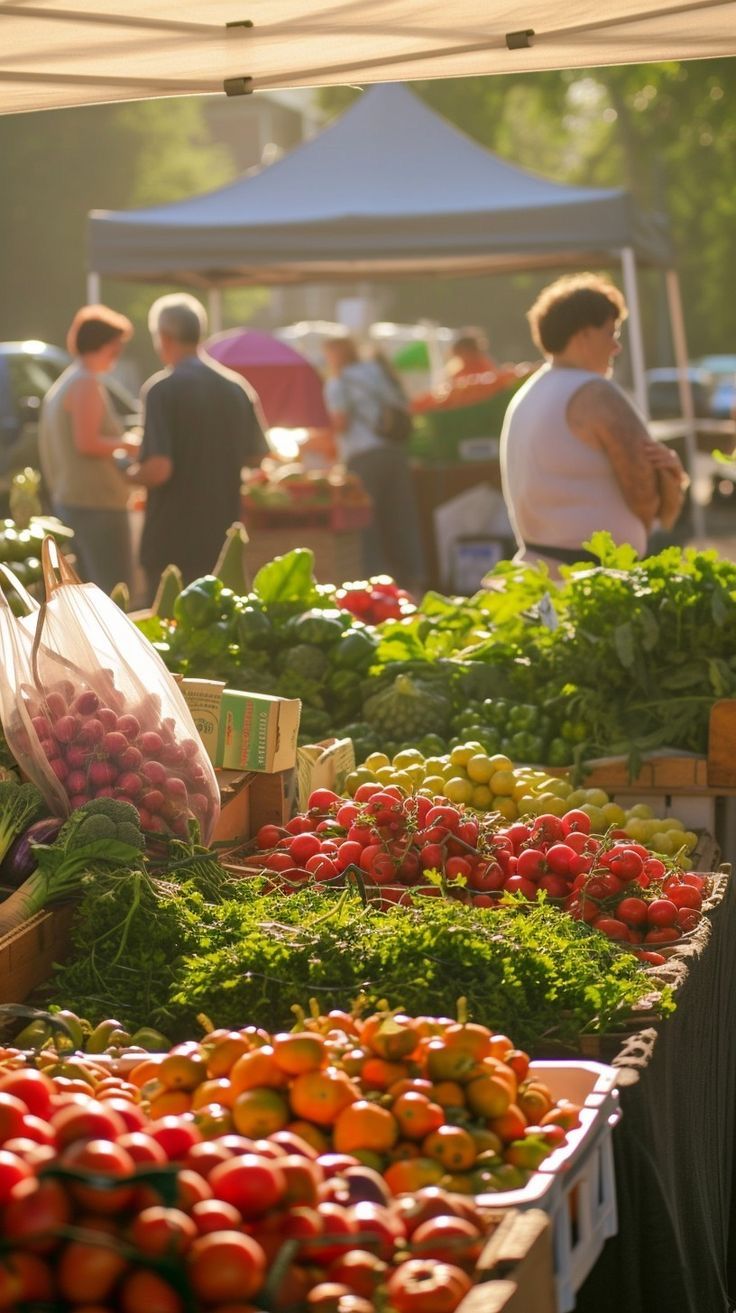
290 389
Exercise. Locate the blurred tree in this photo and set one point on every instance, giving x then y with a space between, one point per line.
665 131
59 165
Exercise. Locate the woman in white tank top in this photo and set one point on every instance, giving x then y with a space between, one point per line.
575 454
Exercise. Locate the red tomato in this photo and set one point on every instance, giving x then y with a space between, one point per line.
251 1183
633 911
359 1270
664 935
86 1273
447 1240
577 822
420 1286
37 1209
654 868
176 1135
106 1159
87 1120
377 1228
614 929
560 858
624 863
348 854
487 876
304 846
548 829
516 884
688 918
554 886
518 834
340 1229
215 1215
142 1148
685 895
457 866
652 959
662 913
33 1088
444 815
531 864
13 1112
13 1170
160 1232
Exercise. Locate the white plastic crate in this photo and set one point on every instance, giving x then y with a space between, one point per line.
576 1185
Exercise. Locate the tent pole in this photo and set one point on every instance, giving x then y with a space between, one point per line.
214 309
94 290
631 292
687 404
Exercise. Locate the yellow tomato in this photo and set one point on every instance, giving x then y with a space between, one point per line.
507 807
458 790
479 769
502 782
596 797
461 756
376 760
482 797
408 757
614 814
499 762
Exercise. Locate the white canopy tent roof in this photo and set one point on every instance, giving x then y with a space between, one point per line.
72 52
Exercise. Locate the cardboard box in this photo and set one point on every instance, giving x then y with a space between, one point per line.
323 765
244 731
251 799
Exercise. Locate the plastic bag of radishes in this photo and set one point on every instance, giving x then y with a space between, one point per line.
89 710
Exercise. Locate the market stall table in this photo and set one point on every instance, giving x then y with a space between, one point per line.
674 1148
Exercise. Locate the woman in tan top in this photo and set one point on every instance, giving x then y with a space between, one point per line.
79 435
575 454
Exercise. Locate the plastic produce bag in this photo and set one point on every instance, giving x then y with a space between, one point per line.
89 710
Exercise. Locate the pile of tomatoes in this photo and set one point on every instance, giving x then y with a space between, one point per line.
324 1169
375 600
411 845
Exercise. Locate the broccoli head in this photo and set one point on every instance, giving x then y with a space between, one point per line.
103 819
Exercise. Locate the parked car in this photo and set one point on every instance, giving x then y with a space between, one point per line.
27 371
722 370
663 390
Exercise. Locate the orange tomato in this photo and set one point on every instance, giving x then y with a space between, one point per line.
222 1057
449 1094
447 1062
145 1070
146 1290
511 1125
534 1102
314 1137
170 1103
501 1046
486 1141
364 1125
213 1091
300 1051
488 1096
390 1037
412 1174
416 1115
320 1096
256 1068
415 1084
451 1146
380 1074
260 1112
470 1038
182 1071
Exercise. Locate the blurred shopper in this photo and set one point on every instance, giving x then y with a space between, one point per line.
470 355
575 454
362 396
201 427
79 436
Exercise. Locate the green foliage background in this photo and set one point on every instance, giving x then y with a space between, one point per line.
667 131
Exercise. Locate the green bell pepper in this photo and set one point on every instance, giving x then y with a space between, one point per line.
198 606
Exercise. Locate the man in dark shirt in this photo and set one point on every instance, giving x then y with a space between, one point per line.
201 426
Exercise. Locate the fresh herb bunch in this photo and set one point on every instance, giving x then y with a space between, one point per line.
531 973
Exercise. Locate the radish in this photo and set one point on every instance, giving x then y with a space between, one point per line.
129 726
155 772
56 705
114 743
101 773
76 781
76 756
107 717
86 704
92 731
65 729
150 743
130 759
130 784
153 801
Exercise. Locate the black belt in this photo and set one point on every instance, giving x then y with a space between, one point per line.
565 555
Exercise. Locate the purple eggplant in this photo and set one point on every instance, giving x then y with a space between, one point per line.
20 860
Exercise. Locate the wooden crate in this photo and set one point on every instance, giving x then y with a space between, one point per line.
28 953
337 556
251 799
515 1273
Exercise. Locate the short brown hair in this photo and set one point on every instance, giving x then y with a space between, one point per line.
571 304
344 348
93 327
